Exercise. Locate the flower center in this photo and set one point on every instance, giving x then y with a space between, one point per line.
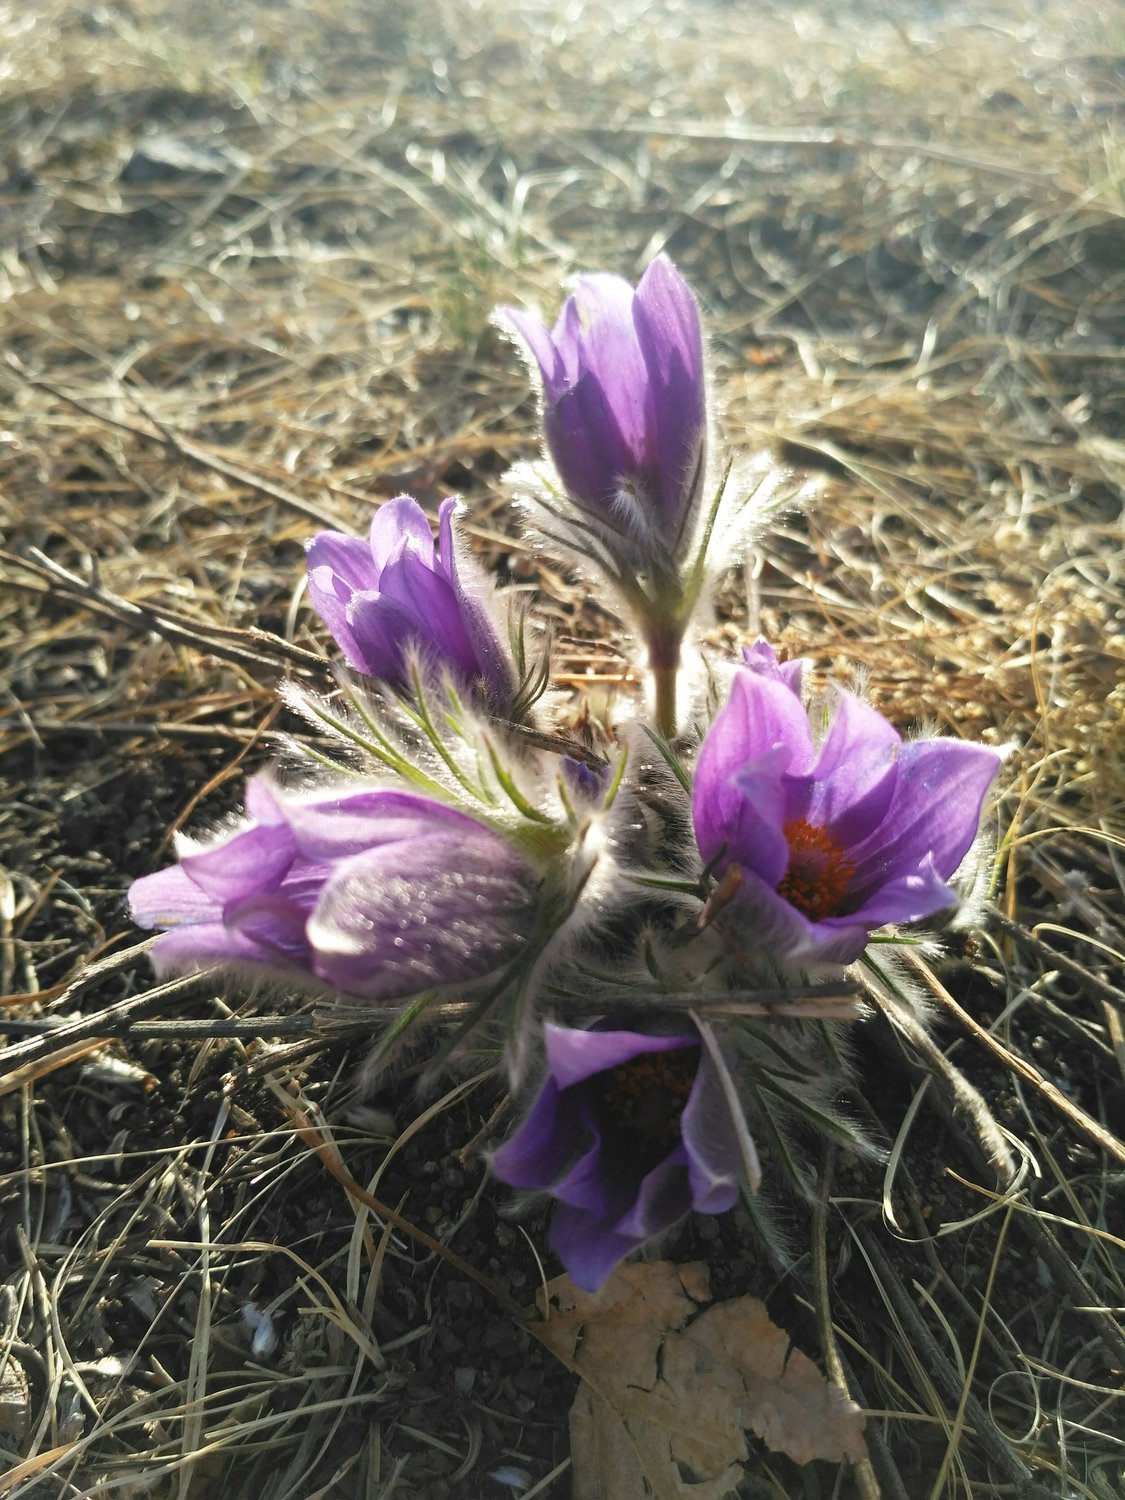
645 1096
819 872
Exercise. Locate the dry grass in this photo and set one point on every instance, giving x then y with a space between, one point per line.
907 228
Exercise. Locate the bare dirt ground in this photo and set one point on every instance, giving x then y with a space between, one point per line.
248 259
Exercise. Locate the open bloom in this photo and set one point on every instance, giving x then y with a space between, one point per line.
831 843
374 893
629 1132
378 597
624 406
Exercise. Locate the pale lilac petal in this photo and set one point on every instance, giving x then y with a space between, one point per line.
761 713
567 336
186 949
399 524
714 1161
575 1055
170 896
934 813
262 801
324 829
443 562
274 923
380 894
343 563
340 570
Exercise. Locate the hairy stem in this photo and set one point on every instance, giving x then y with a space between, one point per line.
664 664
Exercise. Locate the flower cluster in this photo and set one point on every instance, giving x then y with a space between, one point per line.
604 915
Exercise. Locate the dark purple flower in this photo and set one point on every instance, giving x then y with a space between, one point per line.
629 1132
374 893
831 843
624 403
378 597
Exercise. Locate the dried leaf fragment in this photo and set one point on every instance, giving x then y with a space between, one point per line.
671 1385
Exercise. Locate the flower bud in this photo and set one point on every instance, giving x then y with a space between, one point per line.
372 893
397 589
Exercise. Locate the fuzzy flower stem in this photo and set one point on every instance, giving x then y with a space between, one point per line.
664 663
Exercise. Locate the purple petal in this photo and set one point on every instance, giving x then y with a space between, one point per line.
347 559
666 318
261 801
542 348
934 813
169 897
324 829
428 601
379 629
754 824
762 658
769 921
587 447
471 590
574 1055
544 1144
714 1161
590 1239
760 714
399 525
339 567
274 924
445 545
850 788
412 916
907 899
608 348
587 1246
251 861
663 1198
185 949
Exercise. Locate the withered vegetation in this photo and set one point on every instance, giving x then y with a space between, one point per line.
248 261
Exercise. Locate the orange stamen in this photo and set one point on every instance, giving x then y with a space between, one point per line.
819 872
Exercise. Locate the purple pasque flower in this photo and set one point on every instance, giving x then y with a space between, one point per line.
629 1132
397 589
830 842
624 406
374 893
